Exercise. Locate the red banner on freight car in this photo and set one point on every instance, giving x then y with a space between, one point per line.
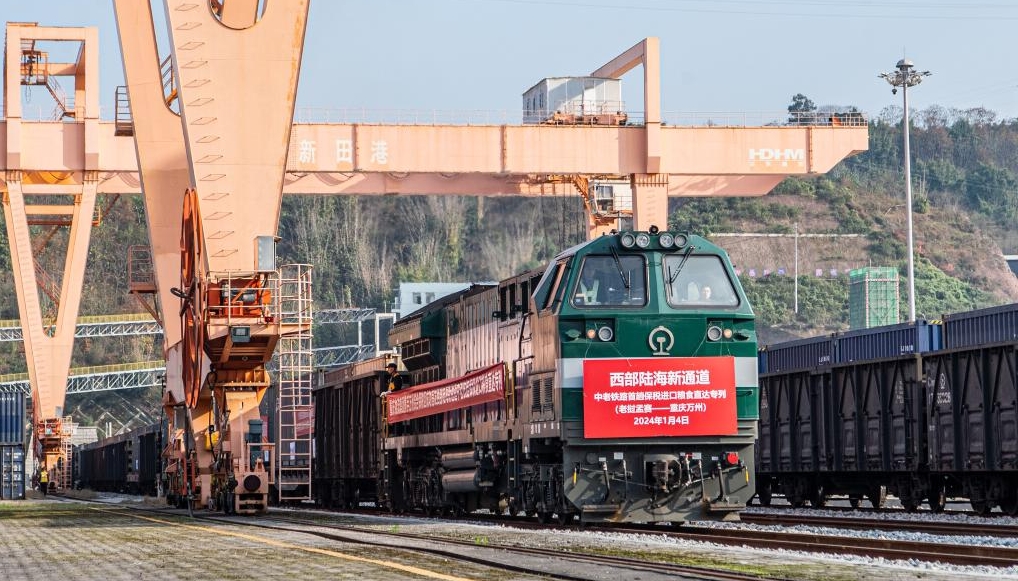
449 394
673 396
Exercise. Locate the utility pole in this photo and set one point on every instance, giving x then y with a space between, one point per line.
796 291
905 77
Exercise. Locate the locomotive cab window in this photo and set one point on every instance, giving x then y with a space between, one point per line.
698 281
611 281
549 287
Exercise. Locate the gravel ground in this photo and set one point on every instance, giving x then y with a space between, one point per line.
792 564
789 564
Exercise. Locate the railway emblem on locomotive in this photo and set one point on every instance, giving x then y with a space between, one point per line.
658 338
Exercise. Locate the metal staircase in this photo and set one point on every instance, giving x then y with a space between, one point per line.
296 371
63 477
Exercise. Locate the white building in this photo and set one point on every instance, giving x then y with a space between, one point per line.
414 295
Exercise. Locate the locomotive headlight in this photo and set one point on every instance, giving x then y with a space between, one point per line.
713 333
727 333
680 240
591 333
628 240
642 239
666 240
605 333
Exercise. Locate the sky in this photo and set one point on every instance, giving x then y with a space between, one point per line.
716 55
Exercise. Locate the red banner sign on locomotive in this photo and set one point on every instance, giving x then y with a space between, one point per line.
673 396
449 394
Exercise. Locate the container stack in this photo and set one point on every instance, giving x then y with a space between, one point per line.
12 446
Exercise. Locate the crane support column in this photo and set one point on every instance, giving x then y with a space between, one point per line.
232 75
70 196
650 201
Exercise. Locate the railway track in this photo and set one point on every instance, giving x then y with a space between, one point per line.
447 546
891 549
503 556
561 564
775 538
862 523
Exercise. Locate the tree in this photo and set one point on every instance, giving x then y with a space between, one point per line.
802 110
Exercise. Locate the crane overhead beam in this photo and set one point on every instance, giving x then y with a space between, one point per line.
495 160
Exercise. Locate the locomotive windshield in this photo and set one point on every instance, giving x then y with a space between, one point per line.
696 281
611 281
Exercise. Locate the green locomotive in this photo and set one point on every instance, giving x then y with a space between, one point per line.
618 385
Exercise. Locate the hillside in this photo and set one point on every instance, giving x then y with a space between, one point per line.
966 198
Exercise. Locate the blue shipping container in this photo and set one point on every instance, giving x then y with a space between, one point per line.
800 354
888 341
12 472
981 327
12 418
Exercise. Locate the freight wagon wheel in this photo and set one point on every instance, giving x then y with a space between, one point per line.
981 507
877 496
938 498
1009 504
192 294
818 498
764 495
910 503
854 501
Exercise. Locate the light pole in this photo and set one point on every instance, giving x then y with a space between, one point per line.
905 77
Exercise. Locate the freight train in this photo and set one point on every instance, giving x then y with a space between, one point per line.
612 385
128 463
926 411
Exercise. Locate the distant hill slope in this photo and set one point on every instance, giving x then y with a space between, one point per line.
965 182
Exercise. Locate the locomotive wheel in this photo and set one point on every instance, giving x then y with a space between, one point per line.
192 293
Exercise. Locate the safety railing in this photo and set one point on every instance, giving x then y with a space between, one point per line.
368 116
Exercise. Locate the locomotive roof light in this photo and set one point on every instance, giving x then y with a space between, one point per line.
654 230
666 240
642 239
628 240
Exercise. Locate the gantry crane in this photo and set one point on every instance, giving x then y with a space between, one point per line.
211 145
